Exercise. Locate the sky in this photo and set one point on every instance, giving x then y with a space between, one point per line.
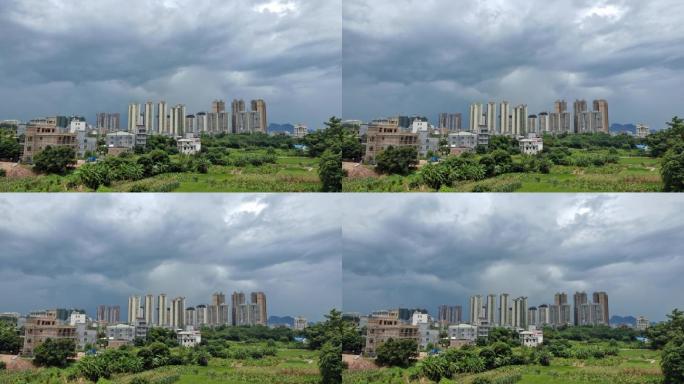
80 251
422 251
83 57
430 56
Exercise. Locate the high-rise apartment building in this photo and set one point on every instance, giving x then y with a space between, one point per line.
178 116
218 106
162 311
237 299
178 313
476 117
148 117
162 118
520 120
261 124
450 122
490 309
134 310
108 122
475 309
579 108
133 117
520 313
450 314
580 298
532 317
601 298
504 118
490 117
148 311
504 314
259 298
601 108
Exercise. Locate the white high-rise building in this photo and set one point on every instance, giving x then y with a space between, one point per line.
133 309
162 122
490 309
162 314
504 118
148 312
490 118
475 309
133 117
475 117
520 120
148 118
178 313
178 115
504 314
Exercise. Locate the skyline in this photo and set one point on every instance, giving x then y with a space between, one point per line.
100 249
420 62
83 57
434 250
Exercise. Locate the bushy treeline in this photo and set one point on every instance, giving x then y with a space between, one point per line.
247 141
591 141
591 333
248 334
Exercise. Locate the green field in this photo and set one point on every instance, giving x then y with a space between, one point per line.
289 366
289 174
633 173
631 366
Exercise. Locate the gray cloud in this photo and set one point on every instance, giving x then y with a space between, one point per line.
78 251
426 57
408 251
84 57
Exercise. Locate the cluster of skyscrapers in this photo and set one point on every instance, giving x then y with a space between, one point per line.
160 118
108 314
515 312
504 119
175 314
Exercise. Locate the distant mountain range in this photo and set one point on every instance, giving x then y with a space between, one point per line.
620 320
281 128
278 320
623 128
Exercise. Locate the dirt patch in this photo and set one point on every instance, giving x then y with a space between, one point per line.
17 364
359 363
17 171
358 171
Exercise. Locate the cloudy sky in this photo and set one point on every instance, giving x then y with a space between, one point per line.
82 251
83 57
431 56
427 250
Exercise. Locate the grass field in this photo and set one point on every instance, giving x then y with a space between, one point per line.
289 174
289 366
633 173
631 366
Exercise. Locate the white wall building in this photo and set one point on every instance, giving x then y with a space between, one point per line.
189 146
77 318
189 339
531 146
531 338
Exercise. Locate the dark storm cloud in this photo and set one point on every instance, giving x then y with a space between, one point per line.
430 250
81 252
433 56
84 57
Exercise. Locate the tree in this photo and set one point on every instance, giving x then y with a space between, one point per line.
672 169
54 353
660 334
397 353
330 363
434 176
9 147
330 171
10 341
672 361
400 160
55 160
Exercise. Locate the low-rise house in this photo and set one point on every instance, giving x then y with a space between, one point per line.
462 334
189 146
531 146
39 137
381 329
531 338
189 339
39 329
119 142
85 336
122 332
